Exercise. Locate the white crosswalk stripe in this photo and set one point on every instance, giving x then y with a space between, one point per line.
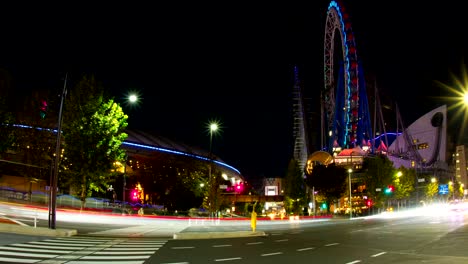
80 250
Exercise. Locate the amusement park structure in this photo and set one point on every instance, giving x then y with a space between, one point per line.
345 109
346 134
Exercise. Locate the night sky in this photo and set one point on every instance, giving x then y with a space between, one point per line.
233 63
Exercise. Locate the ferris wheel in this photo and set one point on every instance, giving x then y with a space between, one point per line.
344 100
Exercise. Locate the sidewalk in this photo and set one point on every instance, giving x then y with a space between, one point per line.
175 229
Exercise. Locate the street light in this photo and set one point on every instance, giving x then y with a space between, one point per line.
350 204
132 99
213 128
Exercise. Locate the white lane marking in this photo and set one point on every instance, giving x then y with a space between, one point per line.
134 246
108 258
61 244
35 250
276 234
304 249
378 254
359 230
352 262
11 260
222 246
49 247
228 259
124 253
271 254
9 253
144 243
254 243
282 240
123 249
182 247
80 241
332 244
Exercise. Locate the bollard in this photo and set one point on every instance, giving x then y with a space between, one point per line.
253 218
253 221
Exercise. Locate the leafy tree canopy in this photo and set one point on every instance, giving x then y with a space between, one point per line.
93 133
378 173
328 180
294 188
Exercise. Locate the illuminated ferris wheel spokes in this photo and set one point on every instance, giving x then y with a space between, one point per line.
345 132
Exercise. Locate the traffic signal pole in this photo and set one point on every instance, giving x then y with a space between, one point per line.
54 174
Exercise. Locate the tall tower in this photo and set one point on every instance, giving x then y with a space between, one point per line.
301 150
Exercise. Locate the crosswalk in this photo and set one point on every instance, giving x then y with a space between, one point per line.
81 250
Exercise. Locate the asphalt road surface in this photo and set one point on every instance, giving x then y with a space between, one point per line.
422 239
437 236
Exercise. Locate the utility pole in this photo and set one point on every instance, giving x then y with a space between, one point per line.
54 175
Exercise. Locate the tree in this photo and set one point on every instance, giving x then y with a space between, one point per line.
31 139
295 193
432 189
378 173
93 133
404 183
329 180
7 137
213 199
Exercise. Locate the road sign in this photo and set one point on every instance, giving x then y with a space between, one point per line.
443 189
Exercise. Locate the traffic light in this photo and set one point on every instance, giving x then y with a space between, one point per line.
389 189
42 108
369 203
239 187
135 195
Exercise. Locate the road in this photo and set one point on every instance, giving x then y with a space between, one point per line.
436 237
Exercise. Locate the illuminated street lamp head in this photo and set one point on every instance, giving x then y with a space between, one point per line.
132 98
213 127
399 174
350 170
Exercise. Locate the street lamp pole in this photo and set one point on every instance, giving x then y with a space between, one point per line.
132 99
213 128
350 203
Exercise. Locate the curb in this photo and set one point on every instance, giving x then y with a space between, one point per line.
207 235
36 231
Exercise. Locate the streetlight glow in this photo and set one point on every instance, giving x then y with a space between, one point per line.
133 98
213 127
